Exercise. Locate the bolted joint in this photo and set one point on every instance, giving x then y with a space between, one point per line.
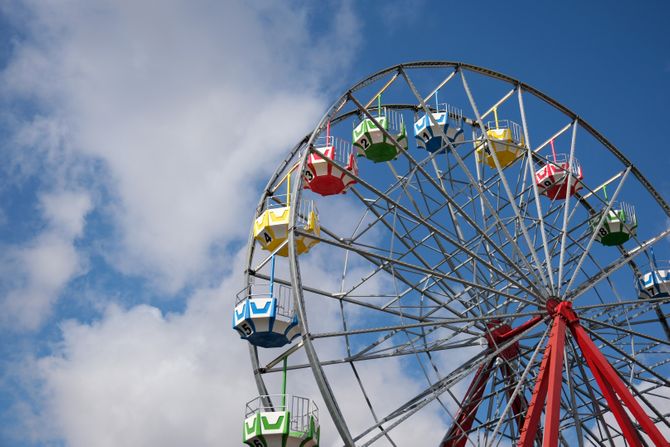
551 305
567 313
562 309
498 335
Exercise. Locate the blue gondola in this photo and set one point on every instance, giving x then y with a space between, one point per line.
264 314
448 121
655 280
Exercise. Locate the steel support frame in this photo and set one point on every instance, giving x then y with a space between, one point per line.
457 436
338 105
547 391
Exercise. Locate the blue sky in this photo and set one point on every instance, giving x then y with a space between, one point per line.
135 140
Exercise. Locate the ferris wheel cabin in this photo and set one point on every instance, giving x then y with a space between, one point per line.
325 178
293 423
619 225
552 178
428 134
265 316
655 281
271 227
504 139
370 141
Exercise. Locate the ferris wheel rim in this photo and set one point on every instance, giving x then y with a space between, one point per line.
308 140
518 84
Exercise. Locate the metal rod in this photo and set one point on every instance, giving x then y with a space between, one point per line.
611 384
283 385
272 276
536 193
566 208
503 178
517 388
476 185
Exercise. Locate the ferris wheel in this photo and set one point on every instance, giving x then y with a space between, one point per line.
453 257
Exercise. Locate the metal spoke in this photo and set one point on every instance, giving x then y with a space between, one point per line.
437 253
505 183
536 193
566 208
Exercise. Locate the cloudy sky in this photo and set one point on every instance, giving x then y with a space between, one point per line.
135 137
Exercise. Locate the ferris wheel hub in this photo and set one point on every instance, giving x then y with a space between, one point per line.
563 309
462 233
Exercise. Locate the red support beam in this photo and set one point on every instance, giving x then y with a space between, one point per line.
497 335
457 435
629 432
519 329
549 382
532 420
555 379
614 389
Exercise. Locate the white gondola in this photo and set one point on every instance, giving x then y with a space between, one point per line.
281 421
265 317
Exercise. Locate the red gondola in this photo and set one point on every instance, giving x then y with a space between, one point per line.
326 178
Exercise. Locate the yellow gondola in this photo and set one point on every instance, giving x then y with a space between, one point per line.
505 139
271 226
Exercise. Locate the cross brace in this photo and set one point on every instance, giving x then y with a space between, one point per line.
547 391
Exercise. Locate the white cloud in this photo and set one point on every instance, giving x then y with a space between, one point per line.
66 212
187 108
140 378
177 110
186 104
35 274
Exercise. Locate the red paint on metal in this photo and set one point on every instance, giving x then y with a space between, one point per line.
332 181
497 335
614 405
532 420
602 369
552 179
555 380
519 329
457 436
549 382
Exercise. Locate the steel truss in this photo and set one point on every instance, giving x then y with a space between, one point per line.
445 258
